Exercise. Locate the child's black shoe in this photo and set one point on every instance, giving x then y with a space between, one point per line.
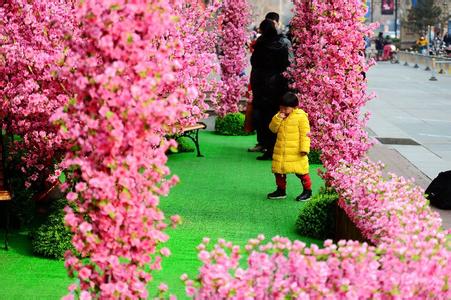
306 194
277 194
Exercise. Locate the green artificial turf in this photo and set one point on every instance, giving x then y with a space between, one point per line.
24 276
221 195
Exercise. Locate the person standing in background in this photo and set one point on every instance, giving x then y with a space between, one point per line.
380 43
273 16
422 44
269 61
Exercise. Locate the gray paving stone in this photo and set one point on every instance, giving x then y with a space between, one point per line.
410 106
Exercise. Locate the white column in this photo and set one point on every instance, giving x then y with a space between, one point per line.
281 12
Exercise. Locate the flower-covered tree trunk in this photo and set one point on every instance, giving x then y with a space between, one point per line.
126 96
328 75
235 21
198 31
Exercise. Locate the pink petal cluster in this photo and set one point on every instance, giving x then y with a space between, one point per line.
327 72
383 209
234 35
198 31
282 269
394 214
126 94
32 80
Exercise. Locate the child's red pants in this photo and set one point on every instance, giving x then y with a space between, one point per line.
281 181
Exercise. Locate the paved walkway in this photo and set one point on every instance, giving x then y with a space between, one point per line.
410 108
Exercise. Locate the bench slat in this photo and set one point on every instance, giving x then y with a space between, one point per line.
5 196
195 127
192 132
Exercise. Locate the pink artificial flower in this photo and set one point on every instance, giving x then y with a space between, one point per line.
85 227
84 295
84 273
175 220
184 277
70 219
71 196
165 252
163 287
72 287
81 187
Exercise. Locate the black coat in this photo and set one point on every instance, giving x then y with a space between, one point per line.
380 43
269 60
439 191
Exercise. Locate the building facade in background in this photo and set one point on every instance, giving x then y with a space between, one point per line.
392 18
390 14
261 7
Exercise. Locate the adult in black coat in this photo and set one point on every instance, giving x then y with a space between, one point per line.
269 60
380 43
273 16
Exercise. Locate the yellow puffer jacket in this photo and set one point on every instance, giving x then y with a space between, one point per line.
292 139
422 42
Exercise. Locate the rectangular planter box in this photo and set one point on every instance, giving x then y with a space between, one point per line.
345 229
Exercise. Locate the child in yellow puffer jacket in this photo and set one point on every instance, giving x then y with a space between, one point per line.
292 126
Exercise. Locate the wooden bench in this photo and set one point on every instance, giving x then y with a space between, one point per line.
5 196
192 132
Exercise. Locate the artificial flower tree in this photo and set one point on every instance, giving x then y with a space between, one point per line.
126 95
33 81
235 16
